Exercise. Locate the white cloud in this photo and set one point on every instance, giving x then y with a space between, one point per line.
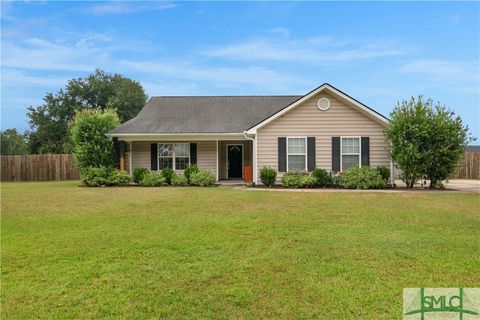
80 54
259 76
120 7
443 69
19 79
319 50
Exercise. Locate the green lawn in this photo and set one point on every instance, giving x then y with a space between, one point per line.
73 252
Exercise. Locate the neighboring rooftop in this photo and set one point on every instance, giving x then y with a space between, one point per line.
204 114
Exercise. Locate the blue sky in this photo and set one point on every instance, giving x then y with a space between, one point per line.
378 52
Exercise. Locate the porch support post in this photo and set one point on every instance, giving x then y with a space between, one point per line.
130 155
122 155
254 160
217 160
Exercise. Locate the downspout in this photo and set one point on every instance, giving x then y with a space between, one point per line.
254 156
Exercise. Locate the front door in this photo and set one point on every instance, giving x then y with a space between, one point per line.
234 161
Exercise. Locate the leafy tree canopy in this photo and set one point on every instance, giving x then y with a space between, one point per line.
100 90
427 140
12 143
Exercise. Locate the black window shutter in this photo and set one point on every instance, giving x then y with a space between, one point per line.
335 154
193 153
282 154
365 151
153 156
310 154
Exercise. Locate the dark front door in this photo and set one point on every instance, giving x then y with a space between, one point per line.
234 161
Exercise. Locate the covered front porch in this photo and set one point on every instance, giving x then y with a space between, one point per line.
228 157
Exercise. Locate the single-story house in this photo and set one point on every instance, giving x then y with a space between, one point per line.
325 128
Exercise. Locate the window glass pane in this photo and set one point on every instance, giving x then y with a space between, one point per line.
296 145
349 161
296 163
182 150
164 162
350 145
165 150
181 163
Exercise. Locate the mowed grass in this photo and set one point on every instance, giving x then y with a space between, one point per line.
175 253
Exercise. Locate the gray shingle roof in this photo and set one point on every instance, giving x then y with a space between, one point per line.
201 114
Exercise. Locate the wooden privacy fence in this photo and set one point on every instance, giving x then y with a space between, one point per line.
469 167
50 167
43 167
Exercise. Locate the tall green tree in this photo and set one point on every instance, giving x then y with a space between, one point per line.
100 90
12 143
426 140
446 145
92 147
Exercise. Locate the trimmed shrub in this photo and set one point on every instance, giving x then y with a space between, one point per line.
119 178
168 173
179 180
95 177
138 174
362 178
268 176
152 179
104 176
191 168
384 172
202 178
297 179
322 177
336 178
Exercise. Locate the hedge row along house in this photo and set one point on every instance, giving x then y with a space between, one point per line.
235 136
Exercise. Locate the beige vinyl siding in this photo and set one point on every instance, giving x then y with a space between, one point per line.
206 154
141 154
307 120
222 155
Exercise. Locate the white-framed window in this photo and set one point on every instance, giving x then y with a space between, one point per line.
297 153
182 155
350 149
173 155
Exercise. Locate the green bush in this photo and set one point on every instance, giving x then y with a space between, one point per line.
384 172
268 176
104 176
202 178
119 178
322 177
191 168
336 178
94 177
168 173
152 179
138 174
362 178
92 147
297 179
179 180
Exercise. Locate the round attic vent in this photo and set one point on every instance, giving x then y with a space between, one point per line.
323 104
